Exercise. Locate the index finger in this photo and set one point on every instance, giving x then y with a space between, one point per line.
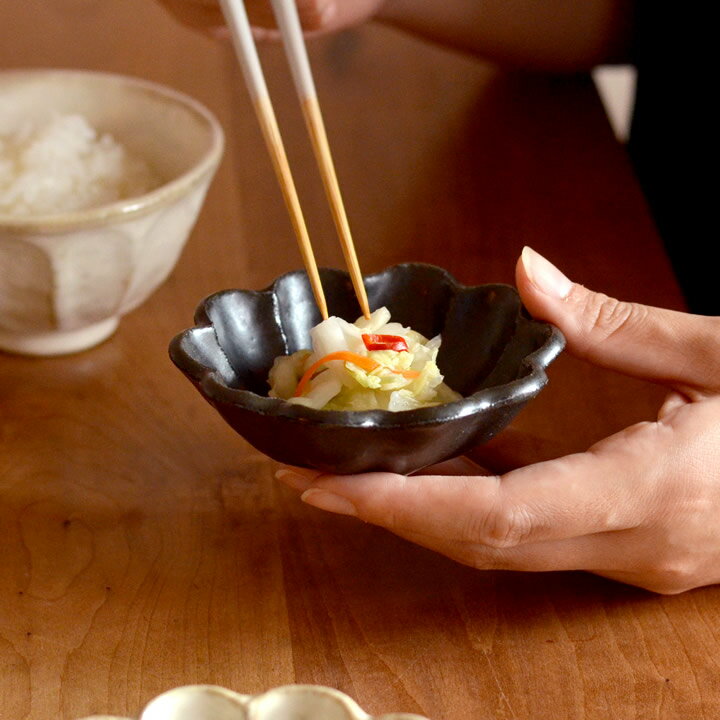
576 495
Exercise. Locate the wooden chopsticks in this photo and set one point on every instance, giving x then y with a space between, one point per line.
289 24
239 25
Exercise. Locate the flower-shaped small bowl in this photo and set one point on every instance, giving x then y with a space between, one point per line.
289 702
492 353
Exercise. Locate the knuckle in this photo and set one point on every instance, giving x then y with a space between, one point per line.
503 527
665 586
602 316
672 576
664 589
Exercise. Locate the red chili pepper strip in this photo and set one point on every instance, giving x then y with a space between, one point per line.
385 342
362 361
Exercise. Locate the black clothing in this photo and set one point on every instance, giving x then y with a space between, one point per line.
673 147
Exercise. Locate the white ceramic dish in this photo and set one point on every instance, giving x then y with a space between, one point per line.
67 278
289 702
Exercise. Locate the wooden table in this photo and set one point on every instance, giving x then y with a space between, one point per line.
146 546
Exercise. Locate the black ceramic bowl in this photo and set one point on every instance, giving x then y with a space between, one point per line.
492 353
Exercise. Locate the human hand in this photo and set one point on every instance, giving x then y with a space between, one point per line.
316 16
641 506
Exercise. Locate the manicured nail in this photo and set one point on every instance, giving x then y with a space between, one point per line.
544 275
328 501
293 479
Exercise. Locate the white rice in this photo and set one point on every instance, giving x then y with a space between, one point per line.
63 164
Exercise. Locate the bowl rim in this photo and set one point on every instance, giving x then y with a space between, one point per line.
293 692
59 222
515 391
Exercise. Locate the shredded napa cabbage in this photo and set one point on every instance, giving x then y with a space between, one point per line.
387 380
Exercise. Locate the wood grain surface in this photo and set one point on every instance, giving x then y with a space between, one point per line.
146 546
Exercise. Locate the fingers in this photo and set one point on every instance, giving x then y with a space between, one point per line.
630 556
672 402
603 552
609 489
204 15
665 346
316 16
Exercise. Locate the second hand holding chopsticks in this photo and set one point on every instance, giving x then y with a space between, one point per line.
289 24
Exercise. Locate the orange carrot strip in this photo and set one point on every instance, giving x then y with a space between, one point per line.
409 374
365 363
362 361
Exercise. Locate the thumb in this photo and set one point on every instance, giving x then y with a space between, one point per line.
673 348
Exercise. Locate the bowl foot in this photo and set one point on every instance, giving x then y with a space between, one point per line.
58 342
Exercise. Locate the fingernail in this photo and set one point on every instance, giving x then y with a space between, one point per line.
328 501
293 479
544 275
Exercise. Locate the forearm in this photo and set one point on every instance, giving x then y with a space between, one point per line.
556 35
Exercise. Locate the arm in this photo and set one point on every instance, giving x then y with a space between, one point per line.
556 35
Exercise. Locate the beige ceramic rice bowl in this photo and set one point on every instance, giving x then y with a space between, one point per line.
67 276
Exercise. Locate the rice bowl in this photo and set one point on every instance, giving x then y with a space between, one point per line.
67 276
